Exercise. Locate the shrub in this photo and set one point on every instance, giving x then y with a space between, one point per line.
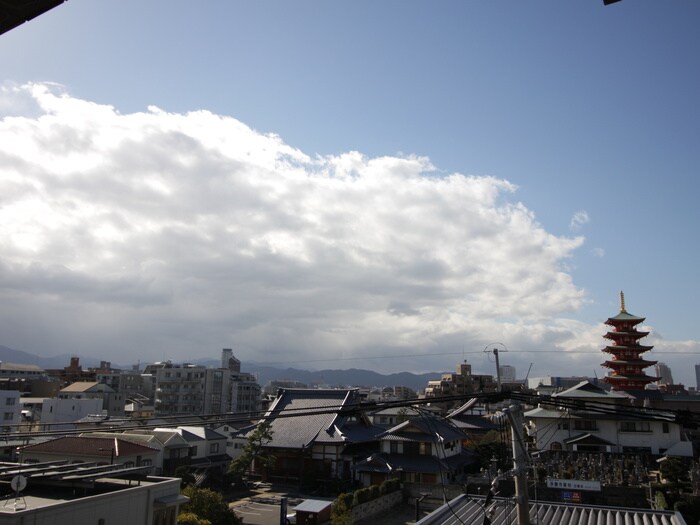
374 492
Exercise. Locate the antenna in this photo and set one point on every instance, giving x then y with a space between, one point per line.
495 353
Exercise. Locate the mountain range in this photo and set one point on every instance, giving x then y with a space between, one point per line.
264 371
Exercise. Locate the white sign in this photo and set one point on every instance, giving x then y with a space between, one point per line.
573 484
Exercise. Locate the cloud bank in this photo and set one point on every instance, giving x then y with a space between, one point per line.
157 235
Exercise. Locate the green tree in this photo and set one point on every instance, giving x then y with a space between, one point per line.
341 513
676 473
186 477
253 451
190 518
208 506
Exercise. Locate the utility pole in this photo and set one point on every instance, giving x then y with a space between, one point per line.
522 505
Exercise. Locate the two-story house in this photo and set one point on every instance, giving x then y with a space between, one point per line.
586 418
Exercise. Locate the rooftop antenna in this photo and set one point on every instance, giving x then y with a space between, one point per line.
495 353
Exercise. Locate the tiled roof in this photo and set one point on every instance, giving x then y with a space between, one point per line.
80 386
201 432
467 509
89 446
298 432
428 425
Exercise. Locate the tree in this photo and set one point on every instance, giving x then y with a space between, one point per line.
207 506
253 451
676 473
186 477
341 513
190 518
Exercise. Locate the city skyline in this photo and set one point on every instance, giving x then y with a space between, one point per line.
392 186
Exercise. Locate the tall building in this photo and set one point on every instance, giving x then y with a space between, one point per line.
626 363
507 373
179 388
664 373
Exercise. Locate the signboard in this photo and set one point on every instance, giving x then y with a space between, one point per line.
569 496
573 484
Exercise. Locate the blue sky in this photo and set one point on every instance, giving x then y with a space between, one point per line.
586 111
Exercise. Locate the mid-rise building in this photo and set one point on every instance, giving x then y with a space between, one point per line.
663 371
179 388
507 373
461 383
9 410
195 389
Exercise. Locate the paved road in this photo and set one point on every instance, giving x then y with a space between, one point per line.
258 513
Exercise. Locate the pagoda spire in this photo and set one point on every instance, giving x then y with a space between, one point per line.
622 302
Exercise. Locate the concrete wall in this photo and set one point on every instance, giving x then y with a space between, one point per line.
382 503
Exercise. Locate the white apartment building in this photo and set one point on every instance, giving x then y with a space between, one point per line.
10 410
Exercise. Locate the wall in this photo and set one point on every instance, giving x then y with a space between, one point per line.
382 503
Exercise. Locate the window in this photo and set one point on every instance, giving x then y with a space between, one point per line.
664 428
393 447
213 448
585 424
635 426
8 416
10 401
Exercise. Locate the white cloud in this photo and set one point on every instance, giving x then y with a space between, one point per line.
159 235
579 219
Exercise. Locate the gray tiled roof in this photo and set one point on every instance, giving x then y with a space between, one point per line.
317 416
428 425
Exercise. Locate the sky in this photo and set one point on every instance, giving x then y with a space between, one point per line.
398 185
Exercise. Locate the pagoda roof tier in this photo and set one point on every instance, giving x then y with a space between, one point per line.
637 349
614 365
635 333
631 362
624 317
636 378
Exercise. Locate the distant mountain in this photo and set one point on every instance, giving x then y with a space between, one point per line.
349 377
10 355
264 372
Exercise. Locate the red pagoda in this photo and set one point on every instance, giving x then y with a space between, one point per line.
626 364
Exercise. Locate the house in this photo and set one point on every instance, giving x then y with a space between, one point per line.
473 425
172 448
421 450
468 509
207 450
596 420
323 441
97 450
106 495
59 414
112 401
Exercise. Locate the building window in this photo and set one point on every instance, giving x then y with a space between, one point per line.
8 416
585 424
664 428
10 401
214 448
635 426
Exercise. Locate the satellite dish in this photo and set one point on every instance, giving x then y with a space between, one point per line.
18 483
